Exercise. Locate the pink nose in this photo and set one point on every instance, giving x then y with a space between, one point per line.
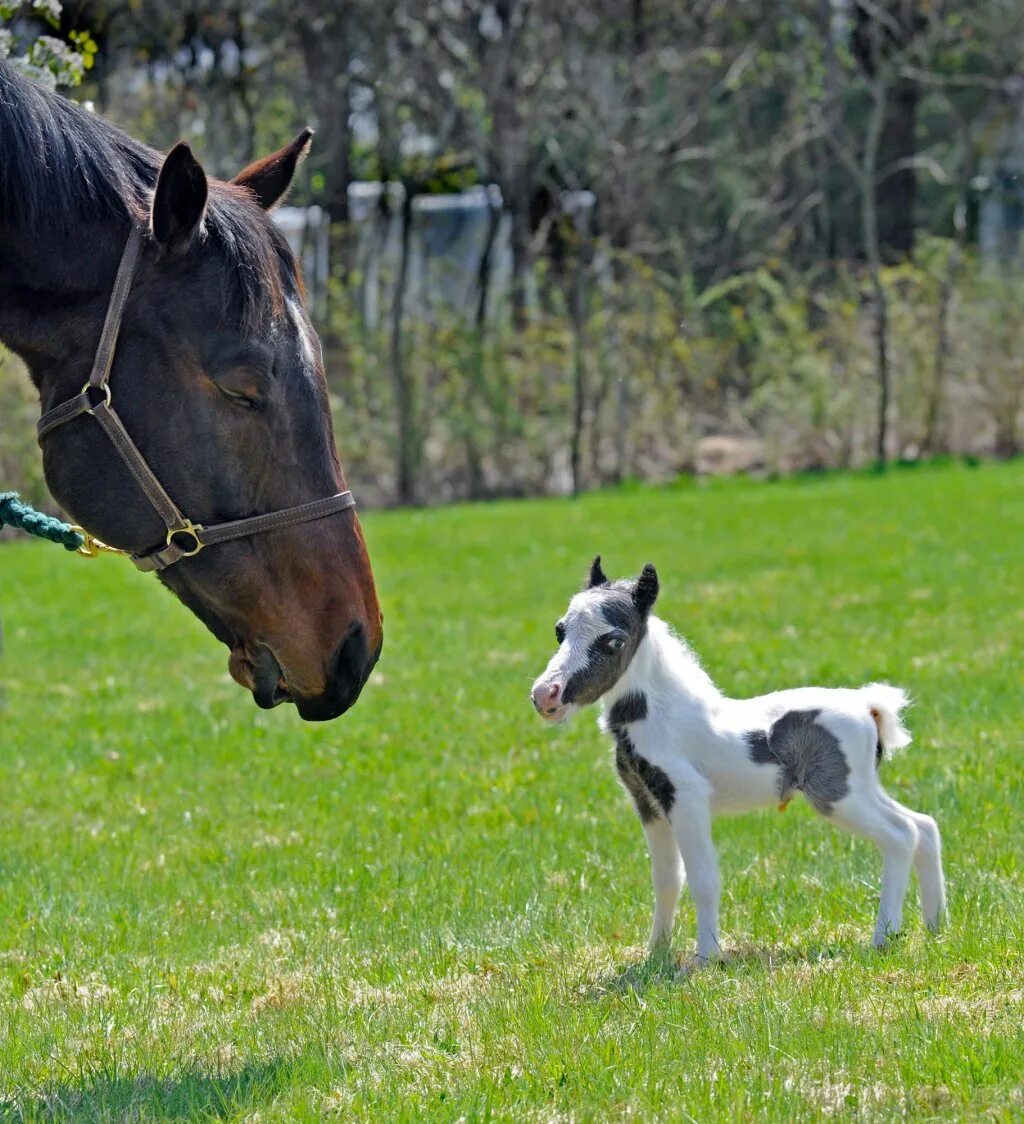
546 697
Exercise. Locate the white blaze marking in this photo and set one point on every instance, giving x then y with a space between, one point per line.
304 329
584 623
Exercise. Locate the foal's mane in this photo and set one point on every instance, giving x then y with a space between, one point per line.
61 165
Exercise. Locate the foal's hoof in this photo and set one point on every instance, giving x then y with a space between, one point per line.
690 967
887 940
660 952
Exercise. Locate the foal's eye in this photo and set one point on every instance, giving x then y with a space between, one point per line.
560 632
614 643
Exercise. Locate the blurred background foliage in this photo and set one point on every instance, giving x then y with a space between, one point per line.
800 249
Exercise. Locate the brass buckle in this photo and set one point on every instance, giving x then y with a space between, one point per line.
105 387
91 546
190 528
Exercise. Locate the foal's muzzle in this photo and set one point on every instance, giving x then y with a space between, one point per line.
548 702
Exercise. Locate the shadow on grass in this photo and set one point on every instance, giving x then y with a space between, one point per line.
182 1097
664 967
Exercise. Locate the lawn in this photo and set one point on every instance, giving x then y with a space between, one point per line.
436 907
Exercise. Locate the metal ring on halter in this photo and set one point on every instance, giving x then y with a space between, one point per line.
105 387
190 528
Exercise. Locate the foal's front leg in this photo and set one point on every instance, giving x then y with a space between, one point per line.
691 822
667 873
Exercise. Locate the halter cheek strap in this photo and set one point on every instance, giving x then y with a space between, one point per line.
184 538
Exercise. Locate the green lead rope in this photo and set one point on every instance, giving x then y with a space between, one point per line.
15 513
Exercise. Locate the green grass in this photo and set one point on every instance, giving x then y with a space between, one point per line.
436 906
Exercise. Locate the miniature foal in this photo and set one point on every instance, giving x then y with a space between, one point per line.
684 752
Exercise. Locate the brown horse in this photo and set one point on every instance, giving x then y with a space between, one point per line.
218 379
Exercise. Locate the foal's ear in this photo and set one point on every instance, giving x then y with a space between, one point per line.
645 592
179 201
269 179
597 575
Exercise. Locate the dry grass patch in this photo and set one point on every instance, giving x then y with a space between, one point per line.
987 1012
59 992
283 992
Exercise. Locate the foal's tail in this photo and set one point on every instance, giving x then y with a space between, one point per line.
885 703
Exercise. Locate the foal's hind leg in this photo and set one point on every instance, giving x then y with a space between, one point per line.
667 874
865 813
927 862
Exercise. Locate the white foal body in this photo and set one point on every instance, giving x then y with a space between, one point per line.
686 753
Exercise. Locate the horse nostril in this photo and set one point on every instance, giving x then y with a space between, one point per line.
350 663
554 691
346 673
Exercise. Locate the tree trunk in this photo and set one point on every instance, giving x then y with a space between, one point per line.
896 193
579 375
244 91
622 242
882 364
327 65
327 59
508 154
883 32
1007 443
519 243
930 443
407 454
478 373
872 251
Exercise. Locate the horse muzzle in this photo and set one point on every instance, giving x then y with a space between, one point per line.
267 678
349 670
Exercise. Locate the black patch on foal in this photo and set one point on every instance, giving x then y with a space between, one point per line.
630 708
757 743
620 612
632 782
657 783
652 792
808 757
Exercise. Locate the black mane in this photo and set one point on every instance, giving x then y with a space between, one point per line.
61 165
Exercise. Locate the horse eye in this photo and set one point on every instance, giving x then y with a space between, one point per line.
614 643
237 399
560 632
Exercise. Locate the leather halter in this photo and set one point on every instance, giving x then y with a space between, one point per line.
184 538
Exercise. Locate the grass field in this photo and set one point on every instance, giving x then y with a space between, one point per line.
435 907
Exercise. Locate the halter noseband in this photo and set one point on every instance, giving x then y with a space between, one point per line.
184 538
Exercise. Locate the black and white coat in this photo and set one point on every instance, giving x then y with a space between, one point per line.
686 753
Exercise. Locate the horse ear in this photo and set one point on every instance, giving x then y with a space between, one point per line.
597 575
645 592
269 179
179 201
